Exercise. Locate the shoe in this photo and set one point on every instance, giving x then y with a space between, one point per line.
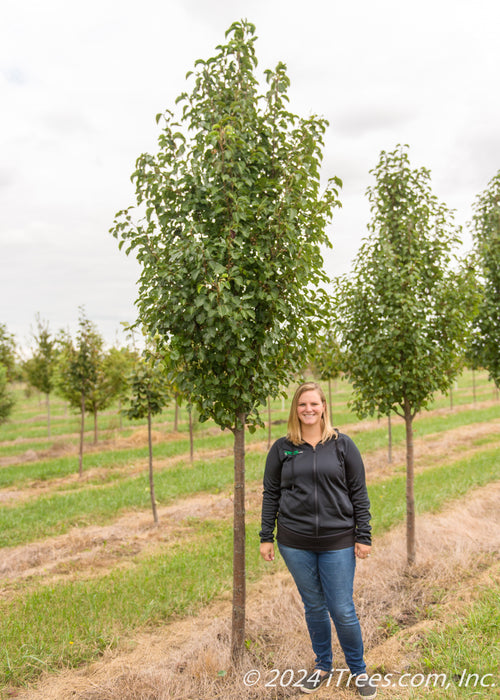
314 680
365 686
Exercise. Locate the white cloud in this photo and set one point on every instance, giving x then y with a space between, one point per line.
81 83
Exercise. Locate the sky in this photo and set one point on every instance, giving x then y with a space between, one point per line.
82 82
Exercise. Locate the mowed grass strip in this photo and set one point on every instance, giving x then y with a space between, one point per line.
366 440
56 513
466 652
70 623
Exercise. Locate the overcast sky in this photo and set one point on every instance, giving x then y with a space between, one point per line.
81 83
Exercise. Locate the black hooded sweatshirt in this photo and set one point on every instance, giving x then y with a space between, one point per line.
316 494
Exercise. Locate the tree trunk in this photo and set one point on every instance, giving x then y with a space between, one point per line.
47 396
473 386
451 398
82 428
410 497
151 481
95 428
389 431
239 593
120 414
191 436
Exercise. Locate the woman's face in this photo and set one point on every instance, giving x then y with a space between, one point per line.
310 408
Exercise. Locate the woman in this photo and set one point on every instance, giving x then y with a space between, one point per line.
314 487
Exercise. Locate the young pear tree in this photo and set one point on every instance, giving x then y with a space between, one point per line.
229 243
327 361
405 311
7 352
485 344
40 368
149 393
77 371
6 398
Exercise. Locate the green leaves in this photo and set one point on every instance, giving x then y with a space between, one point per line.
485 345
229 240
405 313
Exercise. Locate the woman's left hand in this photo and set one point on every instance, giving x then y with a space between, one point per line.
362 551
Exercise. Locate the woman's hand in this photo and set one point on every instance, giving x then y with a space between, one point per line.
267 551
362 551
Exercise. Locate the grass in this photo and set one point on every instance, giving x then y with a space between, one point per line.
86 616
89 615
467 651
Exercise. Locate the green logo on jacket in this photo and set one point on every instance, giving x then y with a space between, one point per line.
292 453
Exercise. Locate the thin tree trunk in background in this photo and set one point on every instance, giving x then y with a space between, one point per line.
191 436
47 396
120 414
95 428
474 386
151 481
451 398
239 588
82 427
389 431
268 422
410 496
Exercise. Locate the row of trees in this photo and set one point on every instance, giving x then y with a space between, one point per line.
228 224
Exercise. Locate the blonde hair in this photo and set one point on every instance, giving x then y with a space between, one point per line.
294 433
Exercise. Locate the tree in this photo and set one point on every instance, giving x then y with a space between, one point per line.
327 361
6 398
77 370
404 313
485 344
149 394
40 368
118 364
229 243
7 352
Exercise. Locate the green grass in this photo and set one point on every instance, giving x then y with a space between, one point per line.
433 487
467 652
88 615
72 623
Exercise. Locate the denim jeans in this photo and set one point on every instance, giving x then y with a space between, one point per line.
325 583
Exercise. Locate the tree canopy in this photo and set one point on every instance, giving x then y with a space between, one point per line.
485 346
230 241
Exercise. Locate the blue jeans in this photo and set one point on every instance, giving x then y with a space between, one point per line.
325 583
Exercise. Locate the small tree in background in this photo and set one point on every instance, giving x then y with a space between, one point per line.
8 352
327 361
149 393
77 370
484 350
230 250
6 398
40 369
404 313
118 365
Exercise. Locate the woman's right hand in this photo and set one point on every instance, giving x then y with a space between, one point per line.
267 551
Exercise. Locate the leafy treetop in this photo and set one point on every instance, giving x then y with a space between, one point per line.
233 218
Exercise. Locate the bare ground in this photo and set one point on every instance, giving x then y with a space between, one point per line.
183 660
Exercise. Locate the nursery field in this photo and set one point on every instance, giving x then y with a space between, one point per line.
99 603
